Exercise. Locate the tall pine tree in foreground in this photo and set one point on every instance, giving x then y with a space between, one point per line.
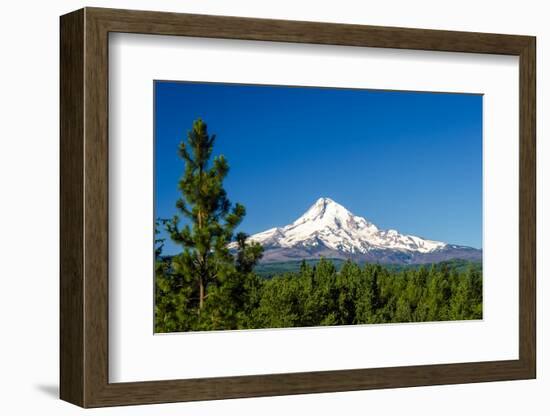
205 258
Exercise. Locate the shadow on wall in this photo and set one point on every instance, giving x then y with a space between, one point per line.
51 390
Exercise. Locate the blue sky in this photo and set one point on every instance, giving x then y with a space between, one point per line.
411 161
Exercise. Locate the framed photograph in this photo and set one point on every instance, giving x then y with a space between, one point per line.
255 207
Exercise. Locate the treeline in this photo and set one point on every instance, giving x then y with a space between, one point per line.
319 295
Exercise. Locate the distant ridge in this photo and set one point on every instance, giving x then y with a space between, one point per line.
294 266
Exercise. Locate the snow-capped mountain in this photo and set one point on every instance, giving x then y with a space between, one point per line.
329 230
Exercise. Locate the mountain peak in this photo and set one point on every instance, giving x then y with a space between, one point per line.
326 210
324 201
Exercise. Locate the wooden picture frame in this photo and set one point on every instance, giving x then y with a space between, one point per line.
84 207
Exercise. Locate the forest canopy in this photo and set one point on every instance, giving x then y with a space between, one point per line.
320 295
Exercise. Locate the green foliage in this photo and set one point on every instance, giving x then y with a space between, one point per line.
321 295
205 286
205 256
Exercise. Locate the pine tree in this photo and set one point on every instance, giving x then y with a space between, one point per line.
248 254
212 219
231 303
348 283
171 293
370 296
159 242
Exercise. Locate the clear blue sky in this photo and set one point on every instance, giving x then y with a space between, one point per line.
405 160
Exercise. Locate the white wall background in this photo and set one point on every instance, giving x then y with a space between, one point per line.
29 159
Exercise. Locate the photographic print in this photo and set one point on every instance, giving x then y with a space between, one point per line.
291 206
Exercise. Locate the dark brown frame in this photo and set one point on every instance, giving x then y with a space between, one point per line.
84 208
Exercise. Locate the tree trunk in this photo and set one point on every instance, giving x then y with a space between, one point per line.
201 295
201 283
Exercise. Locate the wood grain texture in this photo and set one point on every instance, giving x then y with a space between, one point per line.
96 208
71 100
162 23
527 208
84 207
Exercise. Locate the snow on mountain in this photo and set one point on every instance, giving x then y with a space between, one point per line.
328 229
328 223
